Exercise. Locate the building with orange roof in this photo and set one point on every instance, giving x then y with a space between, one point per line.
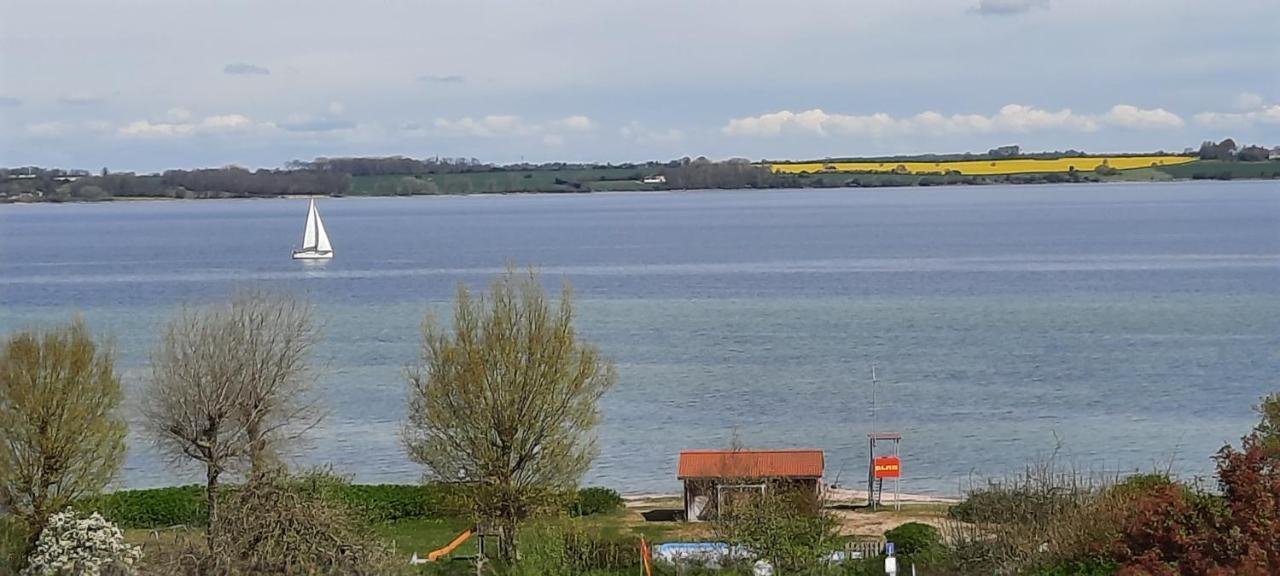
713 479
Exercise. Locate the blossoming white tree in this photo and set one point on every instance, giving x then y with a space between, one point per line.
84 546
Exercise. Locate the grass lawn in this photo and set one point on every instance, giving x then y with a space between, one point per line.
423 536
1140 175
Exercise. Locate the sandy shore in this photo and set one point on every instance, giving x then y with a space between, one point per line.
834 496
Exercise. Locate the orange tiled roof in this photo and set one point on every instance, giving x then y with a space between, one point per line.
750 464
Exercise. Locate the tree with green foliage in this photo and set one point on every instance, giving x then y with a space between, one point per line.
1267 433
1253 154
1224 150
61 434
782 527
507 401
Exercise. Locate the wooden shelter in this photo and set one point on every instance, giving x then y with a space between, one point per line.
714 478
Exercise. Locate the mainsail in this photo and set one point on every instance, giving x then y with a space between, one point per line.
309 235
315 241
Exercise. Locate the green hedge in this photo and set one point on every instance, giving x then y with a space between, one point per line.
185 505
153 508
389 502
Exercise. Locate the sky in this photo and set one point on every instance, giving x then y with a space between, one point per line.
153 84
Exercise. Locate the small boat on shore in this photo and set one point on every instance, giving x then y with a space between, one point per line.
315 241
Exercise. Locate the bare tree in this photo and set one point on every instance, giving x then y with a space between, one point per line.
61 436
276 334
228 383
507 401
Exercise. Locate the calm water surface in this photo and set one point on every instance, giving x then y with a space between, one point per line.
1124 327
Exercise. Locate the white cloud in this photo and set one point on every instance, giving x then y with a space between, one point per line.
1134 117
510 125
1260 113
226 122
1015 118
211 124
493 125
637 132
47 129
148 129
312 123
576 123
1005 7
1248 101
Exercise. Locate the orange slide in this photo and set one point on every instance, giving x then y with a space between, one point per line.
433 556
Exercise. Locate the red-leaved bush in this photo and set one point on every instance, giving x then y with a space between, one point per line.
1171 530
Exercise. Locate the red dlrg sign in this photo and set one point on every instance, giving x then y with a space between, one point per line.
887 467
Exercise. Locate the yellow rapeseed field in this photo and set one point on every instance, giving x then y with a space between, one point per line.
989 167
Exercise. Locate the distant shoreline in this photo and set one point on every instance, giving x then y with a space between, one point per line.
39 186
145 199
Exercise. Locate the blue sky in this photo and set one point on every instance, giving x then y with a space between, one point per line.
151 84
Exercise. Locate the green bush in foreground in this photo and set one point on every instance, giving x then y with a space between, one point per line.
917 541
13 542
568 549
594 500
296 524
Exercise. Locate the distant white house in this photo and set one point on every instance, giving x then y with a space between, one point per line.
659 179
1275 153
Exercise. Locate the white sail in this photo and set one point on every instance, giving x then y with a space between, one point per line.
315 241
322 239
309 235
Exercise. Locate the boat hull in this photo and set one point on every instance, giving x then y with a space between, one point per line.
312 255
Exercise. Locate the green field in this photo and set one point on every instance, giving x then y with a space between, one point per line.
1217 169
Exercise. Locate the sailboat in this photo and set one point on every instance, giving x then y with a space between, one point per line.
315 242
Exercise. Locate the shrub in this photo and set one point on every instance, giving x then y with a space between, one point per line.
1041 492
916 540
594 500
152 508
13 541
1043 518
780 527
280 524
73 545
569 549
1085 567
1140 485
1174 530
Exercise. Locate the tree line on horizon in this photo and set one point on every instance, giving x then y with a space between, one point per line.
334 176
